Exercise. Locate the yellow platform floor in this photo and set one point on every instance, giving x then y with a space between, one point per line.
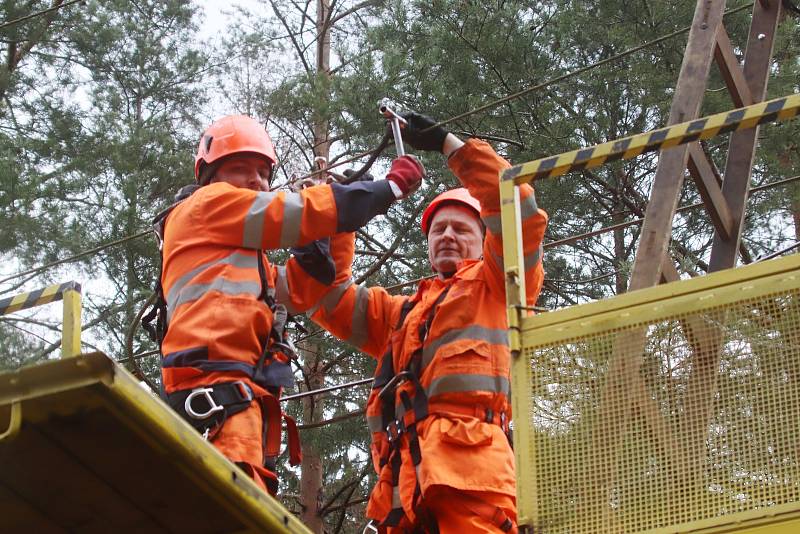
84 448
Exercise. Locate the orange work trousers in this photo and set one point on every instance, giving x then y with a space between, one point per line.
241 440
454 511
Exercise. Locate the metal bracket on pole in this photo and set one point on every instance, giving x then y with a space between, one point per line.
396 121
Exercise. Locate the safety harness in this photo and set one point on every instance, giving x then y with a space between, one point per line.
207 408
397 420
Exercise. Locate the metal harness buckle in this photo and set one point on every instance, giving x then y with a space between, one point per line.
244 389
394 430
205 392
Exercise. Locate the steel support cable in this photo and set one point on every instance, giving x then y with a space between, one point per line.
38 14
536 87
373 153
633 222
581 70
781 251
551 244
95 250
557 243
565 241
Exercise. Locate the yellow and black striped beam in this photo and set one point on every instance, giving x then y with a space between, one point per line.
37 298
779 109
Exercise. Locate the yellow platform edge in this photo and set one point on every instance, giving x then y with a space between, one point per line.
157 424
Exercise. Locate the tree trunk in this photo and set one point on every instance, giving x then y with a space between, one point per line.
312 472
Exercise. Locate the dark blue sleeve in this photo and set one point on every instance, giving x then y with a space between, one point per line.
315 259
358 203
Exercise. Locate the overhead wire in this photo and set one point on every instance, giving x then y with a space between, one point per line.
95 250
581 70
6 24
537 87
373 153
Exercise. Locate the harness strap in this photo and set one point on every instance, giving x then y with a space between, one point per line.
207 408
272 429
293 437
418 405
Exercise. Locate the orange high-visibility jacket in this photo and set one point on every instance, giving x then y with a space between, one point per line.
465 358
216 315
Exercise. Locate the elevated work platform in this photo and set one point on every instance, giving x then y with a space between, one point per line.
84 448
669 409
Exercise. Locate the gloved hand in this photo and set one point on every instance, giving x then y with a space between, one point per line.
406 174
315 259
412 133
366 177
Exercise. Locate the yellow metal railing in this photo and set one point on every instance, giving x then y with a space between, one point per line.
70 293
670 409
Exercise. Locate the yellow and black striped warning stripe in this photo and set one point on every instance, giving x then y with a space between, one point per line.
37 298
779 109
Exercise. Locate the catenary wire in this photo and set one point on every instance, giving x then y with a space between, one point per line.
587 68
447 121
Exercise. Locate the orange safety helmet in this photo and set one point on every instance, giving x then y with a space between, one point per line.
454 196
234 134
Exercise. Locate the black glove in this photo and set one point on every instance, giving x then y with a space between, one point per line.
316 260
366 177
413 134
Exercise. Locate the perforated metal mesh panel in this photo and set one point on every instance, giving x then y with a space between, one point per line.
670 413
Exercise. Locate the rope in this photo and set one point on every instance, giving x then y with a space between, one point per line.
37 14
314 392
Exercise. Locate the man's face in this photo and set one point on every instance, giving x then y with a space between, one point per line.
455 235
248 172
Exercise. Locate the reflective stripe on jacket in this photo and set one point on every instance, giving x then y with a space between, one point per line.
465 358
214 295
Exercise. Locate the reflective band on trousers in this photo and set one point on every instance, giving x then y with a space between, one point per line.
237 259
228 287
253 235
493 336
528 208
463 383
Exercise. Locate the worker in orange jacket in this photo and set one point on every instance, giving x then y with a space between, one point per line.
439 409
222 315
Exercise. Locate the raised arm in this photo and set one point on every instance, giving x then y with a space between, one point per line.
478 168
243 218
361 316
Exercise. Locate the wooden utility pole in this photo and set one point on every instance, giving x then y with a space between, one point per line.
724 195
312 469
